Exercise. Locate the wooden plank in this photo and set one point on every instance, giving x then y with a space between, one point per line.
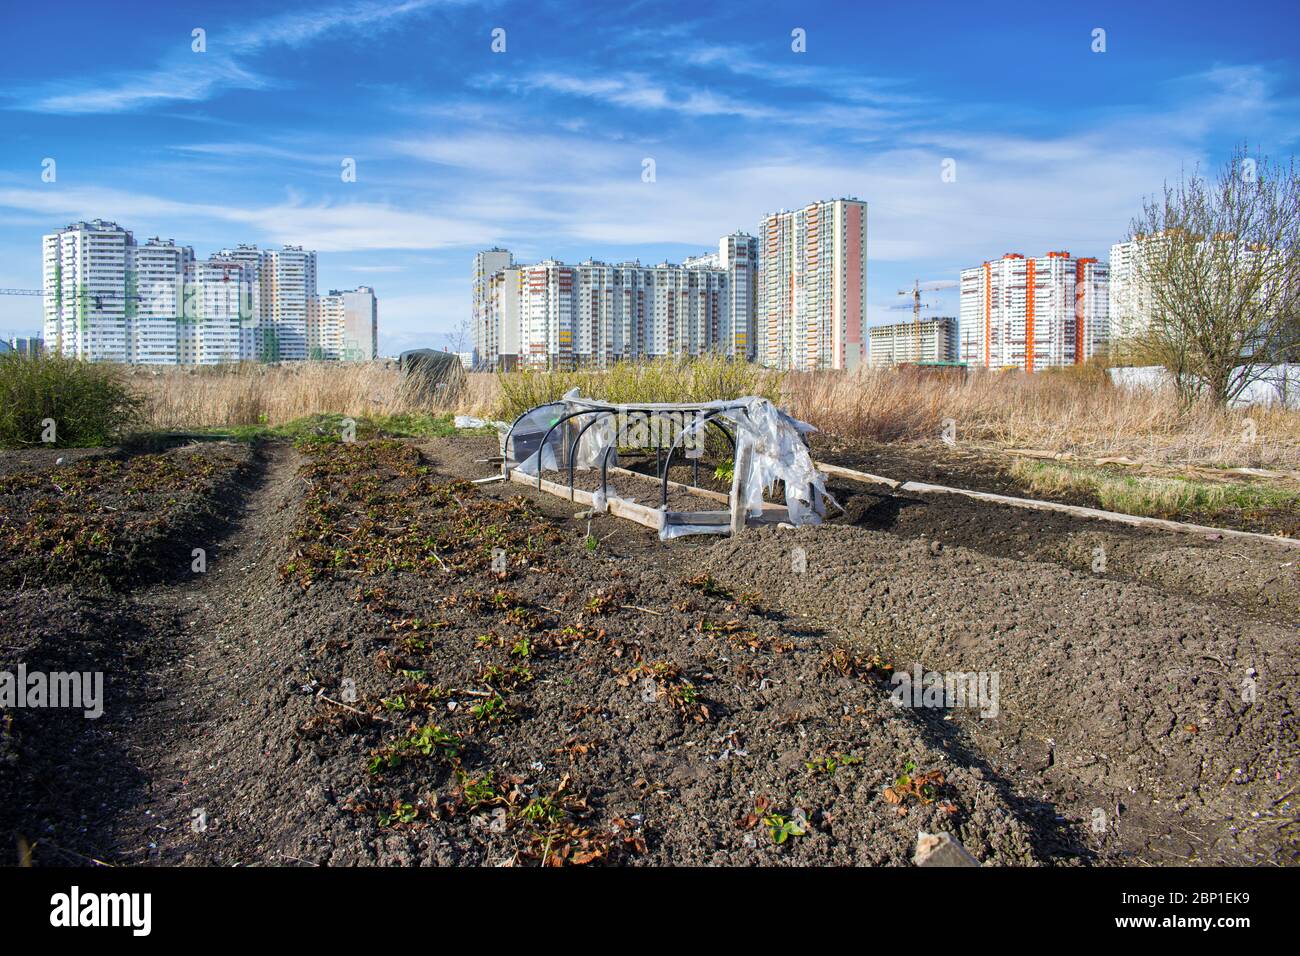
841 472
650 517
689 489
739 477
697 517
1138 521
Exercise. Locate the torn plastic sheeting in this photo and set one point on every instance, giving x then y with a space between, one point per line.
670 531
775 441
779 454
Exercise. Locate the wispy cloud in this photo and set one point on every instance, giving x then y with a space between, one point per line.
192 77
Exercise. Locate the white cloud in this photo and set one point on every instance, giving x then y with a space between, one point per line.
192 77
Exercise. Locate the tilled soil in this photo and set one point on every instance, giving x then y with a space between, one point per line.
977 469
356 680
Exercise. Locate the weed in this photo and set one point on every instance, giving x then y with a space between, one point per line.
829 764
492 710
924 787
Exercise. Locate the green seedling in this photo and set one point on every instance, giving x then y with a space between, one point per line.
782 828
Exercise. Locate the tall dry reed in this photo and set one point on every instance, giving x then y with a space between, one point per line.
1078 411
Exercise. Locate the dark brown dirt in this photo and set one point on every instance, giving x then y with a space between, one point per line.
275 710
977 469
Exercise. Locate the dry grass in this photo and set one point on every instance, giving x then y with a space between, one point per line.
251 394
1075 411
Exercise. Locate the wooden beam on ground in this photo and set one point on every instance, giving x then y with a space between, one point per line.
620 507
689 489
1137 521
849 473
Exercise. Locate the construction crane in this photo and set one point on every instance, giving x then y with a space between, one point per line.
918 287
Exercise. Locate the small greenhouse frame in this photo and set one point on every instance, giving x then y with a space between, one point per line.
577 434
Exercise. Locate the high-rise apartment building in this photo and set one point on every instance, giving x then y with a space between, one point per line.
288 285
487 264
499 346
254 313
219 293
930 340
812 288
110 299
343 325
1035 313
85 276
737 257
156 284
553 314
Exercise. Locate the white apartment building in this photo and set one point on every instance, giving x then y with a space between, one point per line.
110 299
930 340
553 314
288 284
737 257
210 332
85 270
157 281
343 325
254 313
1035 313
812 288
499 345
595 313
487 264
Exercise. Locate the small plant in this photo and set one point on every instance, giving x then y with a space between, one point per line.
401 813
427 741
706 585
828 765
523 648
781 827
924 787
492 710
479 791
725 471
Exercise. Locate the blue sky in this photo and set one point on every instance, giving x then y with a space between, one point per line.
540 148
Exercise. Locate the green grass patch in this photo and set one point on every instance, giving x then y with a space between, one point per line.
329 428
1153 496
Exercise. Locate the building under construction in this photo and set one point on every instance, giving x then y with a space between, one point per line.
929 340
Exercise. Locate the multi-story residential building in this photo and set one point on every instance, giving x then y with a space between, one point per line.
499 346
26 345
812 288
343 325
254 313
85 280
487 264
930 340
595 313
1035 313
159 301
219 296
325 326
288 284
737 257
108 298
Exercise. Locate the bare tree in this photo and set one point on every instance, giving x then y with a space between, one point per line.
1218 269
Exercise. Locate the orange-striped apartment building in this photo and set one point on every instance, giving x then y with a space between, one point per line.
812 288
1034 313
